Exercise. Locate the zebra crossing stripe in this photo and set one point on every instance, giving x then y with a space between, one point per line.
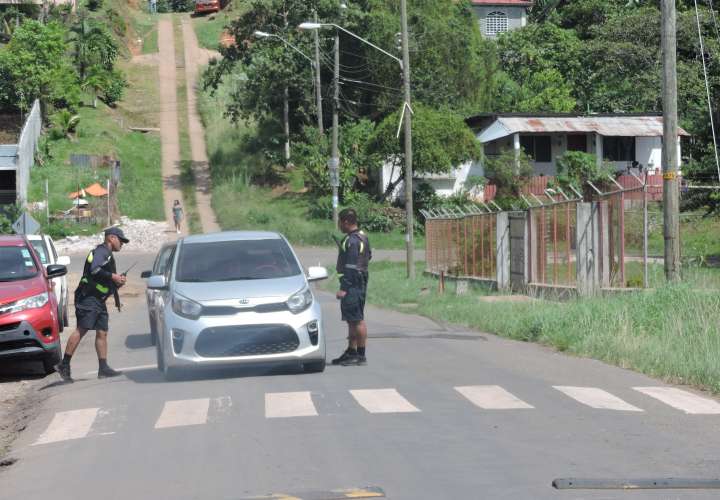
596 398
383 401
289 404
183 412
682 400
492 397
74 424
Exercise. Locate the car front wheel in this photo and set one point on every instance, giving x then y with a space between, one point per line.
51 360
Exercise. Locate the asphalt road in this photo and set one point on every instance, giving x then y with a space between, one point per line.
438 413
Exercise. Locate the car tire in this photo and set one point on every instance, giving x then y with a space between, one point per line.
51 360
61 323
314 366
171 374
153 330
160 358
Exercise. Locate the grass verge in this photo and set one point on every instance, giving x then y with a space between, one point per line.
670 333
187 175
209 28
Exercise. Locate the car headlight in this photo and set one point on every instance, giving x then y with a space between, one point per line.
300 301
33 302
185 307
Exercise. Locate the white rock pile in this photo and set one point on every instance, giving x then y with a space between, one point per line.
144 235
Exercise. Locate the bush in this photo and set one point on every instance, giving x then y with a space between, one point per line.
115 87
94 5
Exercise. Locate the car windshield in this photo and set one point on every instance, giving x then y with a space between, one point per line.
39 247
236 260
16 263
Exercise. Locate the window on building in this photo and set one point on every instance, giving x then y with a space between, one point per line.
538 147
619 148
495 23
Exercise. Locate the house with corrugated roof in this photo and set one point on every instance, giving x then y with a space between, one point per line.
630 142
498 16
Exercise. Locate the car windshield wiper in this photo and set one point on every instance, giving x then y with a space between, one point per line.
17 278
241 278
192 280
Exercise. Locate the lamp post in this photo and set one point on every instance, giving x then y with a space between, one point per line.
407 112
316 78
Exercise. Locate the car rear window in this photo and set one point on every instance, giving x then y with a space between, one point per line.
39 247
236 261
16 263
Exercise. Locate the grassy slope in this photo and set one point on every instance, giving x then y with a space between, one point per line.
209 27
671 333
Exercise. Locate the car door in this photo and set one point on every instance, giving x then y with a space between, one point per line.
164 297
61 288
160 267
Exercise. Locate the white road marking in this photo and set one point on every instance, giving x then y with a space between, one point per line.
183 412
126 369
383 401
682 400
66 425
289 404
596 398
492 397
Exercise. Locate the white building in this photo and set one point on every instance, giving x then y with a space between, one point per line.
628 141
498 16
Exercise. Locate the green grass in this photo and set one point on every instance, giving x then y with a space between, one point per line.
99 133
187 175
671 332
209 28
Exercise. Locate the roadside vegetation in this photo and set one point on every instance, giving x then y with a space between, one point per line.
79 66
670 332
209 28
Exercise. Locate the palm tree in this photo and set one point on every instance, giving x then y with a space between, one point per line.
66 122
96 82
92 44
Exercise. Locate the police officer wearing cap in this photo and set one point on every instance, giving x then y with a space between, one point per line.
100 280
352 267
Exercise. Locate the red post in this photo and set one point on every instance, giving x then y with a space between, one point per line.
465 247
567 243
555 249
621 216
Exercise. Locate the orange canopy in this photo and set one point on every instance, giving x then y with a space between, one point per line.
94 190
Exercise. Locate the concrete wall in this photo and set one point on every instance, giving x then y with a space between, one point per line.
26 150
517 16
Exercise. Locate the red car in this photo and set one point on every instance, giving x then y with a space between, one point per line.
204 6
29 322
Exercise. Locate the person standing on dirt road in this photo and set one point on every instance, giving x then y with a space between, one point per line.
100 280
354 255
177 215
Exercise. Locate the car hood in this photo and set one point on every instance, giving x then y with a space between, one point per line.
10 291
251 292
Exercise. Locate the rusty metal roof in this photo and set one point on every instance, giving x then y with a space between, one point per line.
623 126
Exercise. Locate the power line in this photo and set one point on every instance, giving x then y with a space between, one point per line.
707 87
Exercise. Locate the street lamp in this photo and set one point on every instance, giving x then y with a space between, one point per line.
316 79
406 114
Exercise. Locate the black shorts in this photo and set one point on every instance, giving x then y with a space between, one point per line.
352 306
91 314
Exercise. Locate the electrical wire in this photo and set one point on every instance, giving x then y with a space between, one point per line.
707 88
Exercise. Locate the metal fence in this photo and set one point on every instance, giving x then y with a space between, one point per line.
567 243
27 146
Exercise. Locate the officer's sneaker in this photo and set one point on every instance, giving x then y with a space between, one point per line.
344 357
64 372
354 360
108 372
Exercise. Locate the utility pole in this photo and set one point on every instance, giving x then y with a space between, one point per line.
334 163
671 196
407 112
286 106
318 83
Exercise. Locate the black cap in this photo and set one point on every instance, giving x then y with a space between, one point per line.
117 232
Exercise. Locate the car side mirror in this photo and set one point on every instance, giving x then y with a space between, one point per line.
317 273
56 271
145 274
157 282
63 260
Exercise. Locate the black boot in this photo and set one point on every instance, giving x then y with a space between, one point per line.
63 370
344 356
354 360
105 371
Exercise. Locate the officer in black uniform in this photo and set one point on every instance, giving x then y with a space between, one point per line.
352 266
100 280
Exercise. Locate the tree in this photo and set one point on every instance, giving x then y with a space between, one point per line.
33 66
65 124
576 168
441 142
509 172
92 45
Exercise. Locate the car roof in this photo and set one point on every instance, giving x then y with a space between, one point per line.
232 236
12 240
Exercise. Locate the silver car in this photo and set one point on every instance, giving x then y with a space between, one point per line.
237 298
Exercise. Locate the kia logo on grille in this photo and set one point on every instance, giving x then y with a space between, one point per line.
244 302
